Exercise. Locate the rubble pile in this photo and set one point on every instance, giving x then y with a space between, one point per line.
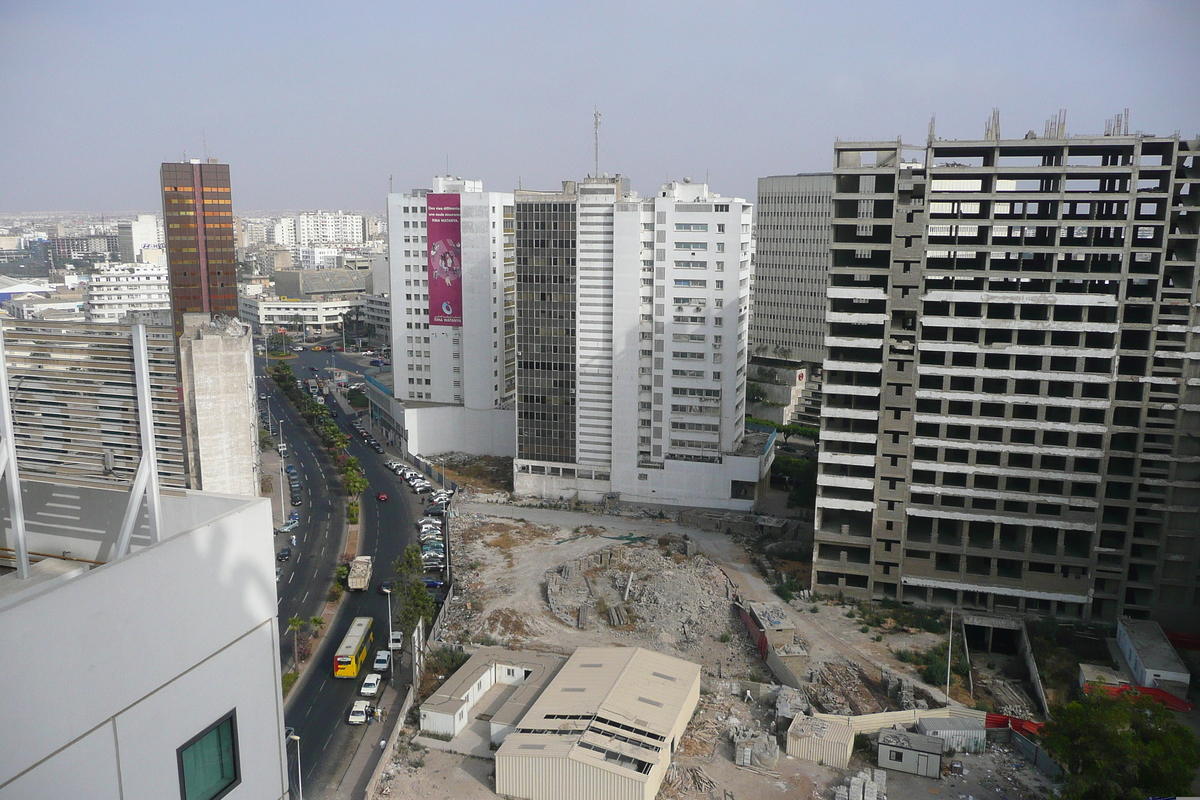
1009 699
844 691
676 600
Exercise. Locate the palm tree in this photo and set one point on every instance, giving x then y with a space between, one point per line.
295 624
316 623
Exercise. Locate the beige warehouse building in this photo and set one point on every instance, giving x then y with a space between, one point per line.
604 728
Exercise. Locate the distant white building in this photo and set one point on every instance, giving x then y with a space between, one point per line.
283 232
117 291
318 316
316 257
328 227
135 236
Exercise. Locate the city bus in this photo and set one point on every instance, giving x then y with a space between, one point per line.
353 650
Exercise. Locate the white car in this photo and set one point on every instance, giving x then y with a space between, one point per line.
358 712
423 521
370 686
396 642
383 661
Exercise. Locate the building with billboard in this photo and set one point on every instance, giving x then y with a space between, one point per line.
453 328
198 232
632 325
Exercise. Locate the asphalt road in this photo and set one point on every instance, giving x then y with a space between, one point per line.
319 712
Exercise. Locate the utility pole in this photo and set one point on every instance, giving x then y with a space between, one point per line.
949 652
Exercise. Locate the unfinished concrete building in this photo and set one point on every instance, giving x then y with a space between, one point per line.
1012 391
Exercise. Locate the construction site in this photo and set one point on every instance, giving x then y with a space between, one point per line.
550 580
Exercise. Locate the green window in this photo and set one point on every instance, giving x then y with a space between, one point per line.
208 764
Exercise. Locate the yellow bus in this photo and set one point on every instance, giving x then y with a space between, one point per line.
354 649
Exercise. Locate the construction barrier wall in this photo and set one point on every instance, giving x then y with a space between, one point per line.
873 723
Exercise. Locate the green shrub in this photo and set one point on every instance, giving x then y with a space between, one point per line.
814 609
864 629
726 637
289 680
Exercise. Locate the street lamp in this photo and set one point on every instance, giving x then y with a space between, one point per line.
299 772
392 672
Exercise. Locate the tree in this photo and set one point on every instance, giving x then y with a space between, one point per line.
295 624
1127 747
316 623
412 600
355 483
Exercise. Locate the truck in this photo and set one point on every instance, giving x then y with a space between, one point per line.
312 386
360 573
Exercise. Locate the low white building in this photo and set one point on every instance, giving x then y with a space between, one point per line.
507 682
1150 655
160 667
318 316
117 291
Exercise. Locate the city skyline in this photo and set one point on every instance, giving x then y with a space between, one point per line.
382 98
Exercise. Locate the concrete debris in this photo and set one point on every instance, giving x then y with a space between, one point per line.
865 784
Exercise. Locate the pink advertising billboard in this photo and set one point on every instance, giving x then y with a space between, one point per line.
444 230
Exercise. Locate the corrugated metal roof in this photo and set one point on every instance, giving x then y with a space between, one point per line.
612 707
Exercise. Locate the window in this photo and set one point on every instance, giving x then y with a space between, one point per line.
895 755
208 764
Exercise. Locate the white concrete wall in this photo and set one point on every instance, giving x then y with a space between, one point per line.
145 653
219 394
452 428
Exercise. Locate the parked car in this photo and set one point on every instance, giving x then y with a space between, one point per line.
294 516
371 684
297 500
422 488
396 642
392 464
377 447
290 469
284 555
423 521
278 573
383 661
433 583
436 511
358 712
289 526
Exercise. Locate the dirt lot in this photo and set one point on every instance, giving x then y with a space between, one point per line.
524 574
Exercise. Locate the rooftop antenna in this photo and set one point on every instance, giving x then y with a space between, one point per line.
932 129
390 183
596 138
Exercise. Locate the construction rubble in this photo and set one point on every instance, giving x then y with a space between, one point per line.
675 599
866 784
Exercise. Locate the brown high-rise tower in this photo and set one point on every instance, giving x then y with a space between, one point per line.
198 222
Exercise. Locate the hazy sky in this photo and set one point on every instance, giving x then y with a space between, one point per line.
315 105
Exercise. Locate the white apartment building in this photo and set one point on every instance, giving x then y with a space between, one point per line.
455 382
328 227
635 309
283 232
377 313
116 291
316 257
270 313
